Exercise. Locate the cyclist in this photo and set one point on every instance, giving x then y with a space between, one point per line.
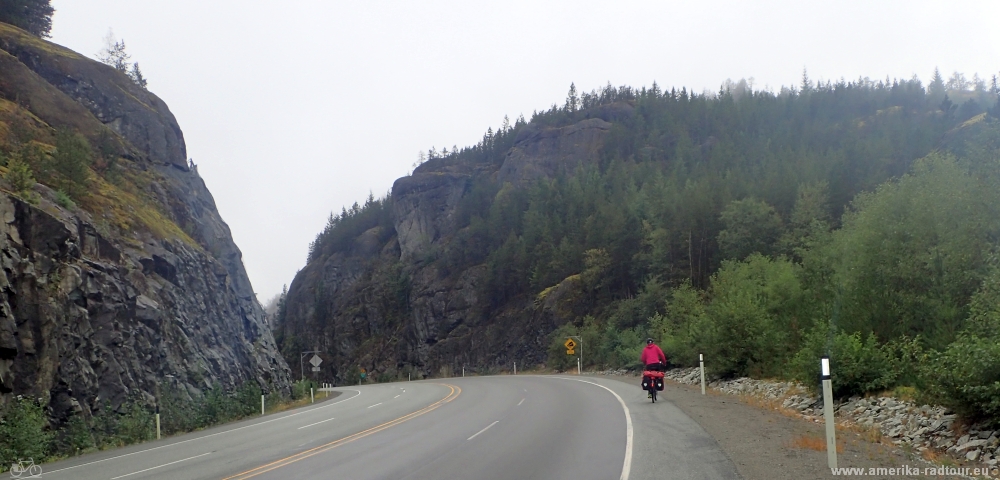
653 358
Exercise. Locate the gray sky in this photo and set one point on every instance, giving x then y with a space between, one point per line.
292 109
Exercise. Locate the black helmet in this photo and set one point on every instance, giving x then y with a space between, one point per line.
649 340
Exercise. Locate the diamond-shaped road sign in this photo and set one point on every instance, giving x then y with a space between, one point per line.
570 344
315 361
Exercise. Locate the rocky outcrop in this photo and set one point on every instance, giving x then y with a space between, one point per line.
435 320
107 301
547 152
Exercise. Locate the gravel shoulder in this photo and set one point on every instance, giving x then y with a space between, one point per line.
766 444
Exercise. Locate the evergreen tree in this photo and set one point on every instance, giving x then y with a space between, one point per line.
936 89
572 99
114 55
35 16
806 87
136 75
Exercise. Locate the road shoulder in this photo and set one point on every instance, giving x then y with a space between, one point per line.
766 444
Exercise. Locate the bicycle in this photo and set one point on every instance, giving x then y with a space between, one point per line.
22 467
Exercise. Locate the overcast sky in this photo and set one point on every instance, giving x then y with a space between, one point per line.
293 109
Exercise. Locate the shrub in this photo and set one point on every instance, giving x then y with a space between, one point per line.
300 389
966 377
755 317
858 363
19 175
72 159
22 432
137 424
75 436
178 412
685 330
622 348
63 200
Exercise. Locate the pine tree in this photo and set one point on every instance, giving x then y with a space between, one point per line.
114 54
806 87
136 75
35 16
935 89
572 99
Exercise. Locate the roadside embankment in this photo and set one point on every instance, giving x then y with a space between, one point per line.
925 431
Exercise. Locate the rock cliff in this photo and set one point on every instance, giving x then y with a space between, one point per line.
386 303
136 284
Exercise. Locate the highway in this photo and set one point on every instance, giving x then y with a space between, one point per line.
502 427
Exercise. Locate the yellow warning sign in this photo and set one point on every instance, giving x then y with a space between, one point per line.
570 352
570 344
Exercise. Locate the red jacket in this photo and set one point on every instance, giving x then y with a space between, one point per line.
652 354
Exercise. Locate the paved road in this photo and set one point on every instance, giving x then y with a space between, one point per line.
507 427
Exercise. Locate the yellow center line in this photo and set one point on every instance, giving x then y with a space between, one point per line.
455 392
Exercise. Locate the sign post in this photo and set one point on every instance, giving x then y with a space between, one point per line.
831 434
302 370
571 349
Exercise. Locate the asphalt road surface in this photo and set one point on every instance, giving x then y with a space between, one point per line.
504 427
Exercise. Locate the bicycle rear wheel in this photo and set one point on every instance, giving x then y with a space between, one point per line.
653 392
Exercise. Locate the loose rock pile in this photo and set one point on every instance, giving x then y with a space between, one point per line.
903 422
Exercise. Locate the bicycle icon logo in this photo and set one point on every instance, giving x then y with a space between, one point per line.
22 467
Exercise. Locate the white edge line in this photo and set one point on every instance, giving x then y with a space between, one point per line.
377 404
311 424
519 403
160 466
627 465
397 396
483 430
206 436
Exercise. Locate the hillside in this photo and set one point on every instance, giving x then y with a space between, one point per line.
734 223
119 278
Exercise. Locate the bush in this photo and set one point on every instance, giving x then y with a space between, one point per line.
178 412
300 389
22 432
75 436
72 159
63 200
622 348
19 175
136 425
755 316
685 330
966 377
858 364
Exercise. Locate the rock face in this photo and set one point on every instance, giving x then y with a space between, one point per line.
434 321
96 308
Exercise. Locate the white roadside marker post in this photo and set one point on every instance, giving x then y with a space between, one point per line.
515 368
157 421
312 399
262 405
831 435
463 371
578 370
701 366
